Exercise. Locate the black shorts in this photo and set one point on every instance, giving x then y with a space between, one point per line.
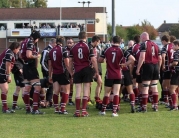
62 79
19 78
167 75
174 78
3 79
138 79
150 72
30 73
83 76
127 78
134 73
111 82
44 73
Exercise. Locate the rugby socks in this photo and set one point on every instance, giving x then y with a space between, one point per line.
173 96
15 98
35 100
150 96
155 99
140 99
63 102
55 102
136 92
84 104
170 100
132 98
165 94
144 101
115 103
27 100
105 102
42 97
4 101
77 104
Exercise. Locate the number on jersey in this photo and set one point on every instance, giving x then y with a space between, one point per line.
54 55
153 51
80 53
114 56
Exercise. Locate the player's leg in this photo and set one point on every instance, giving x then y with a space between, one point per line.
4 91
116 89
135 85
26 96
173 86
86 89
37 88
65 85
78 87
154 89
56 91
70 102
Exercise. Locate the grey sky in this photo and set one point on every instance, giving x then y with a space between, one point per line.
130 12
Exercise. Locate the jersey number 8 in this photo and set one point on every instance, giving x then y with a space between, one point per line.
80 53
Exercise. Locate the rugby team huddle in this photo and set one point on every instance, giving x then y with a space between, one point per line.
134 72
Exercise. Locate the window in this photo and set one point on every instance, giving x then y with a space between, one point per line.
90 22
12 40
21 25
46 25
3 26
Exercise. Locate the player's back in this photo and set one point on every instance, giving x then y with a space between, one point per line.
56 57
152 52
113 56
81 55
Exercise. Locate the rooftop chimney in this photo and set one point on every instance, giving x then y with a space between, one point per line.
164 21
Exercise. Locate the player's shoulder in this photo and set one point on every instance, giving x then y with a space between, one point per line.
9 51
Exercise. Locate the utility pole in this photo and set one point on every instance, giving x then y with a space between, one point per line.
113 19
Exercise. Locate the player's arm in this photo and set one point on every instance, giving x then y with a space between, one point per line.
8 58
102 57
175 60
160 59
71 62
50 70
141 57
45 60
29 51
163 58
67 61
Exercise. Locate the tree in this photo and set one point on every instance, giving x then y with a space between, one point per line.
40 3
120 31
4 4
174 30
133 30
147 27
17 3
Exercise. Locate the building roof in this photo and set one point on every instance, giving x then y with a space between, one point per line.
165 27
77 13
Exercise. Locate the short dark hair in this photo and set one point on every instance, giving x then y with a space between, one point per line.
176 42
137 38
95 38
165 38
60 40
172 38
35 34
14 45
116 39
82 35
68 38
